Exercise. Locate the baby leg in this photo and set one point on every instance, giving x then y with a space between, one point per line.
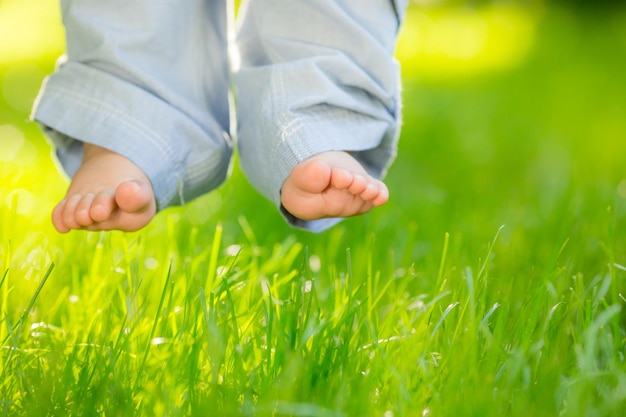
138 110
107 192
319 104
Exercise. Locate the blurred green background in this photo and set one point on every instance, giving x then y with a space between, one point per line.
514 114
518 104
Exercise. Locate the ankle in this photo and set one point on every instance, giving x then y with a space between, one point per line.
91 150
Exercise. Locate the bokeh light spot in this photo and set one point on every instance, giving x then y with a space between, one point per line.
315 263
621 189
151 263
21 201
12 141
20 85
41 35
444 42
27 155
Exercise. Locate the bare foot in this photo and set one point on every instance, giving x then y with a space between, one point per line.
107 192
331 184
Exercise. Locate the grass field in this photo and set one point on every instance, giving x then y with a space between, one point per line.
492 284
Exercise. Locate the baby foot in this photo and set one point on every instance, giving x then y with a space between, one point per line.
331 184
107 192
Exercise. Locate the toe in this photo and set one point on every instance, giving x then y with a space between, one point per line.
82 210
133 196
359 184
103 205
69 211
57 217
312 176
341 178
370 192
383 195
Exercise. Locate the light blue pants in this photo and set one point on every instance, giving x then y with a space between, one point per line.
149 79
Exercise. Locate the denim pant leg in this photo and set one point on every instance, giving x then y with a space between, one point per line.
315 76
149 80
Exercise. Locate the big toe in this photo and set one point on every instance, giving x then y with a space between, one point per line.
313 176
134 196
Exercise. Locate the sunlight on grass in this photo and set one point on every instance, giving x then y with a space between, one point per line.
32 38
26 192
426 307
442 42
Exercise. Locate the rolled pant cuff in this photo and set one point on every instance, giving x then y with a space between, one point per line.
82 104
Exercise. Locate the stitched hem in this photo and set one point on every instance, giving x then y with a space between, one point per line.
134 123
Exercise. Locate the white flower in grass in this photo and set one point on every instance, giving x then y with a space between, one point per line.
222 270
159 340
233 250
151 263
315 263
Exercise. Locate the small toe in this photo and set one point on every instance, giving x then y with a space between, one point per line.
82 215
341 178
359 184
102 206
383 195
57 217
69 211
370 192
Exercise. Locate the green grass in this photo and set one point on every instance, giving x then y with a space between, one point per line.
492 284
